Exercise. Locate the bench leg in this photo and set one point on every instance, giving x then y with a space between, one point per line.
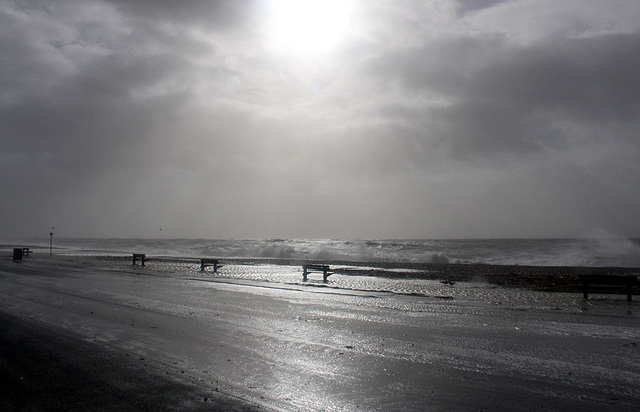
304 275
215 268
324 276
585 290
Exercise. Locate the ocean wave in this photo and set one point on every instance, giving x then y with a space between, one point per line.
594 252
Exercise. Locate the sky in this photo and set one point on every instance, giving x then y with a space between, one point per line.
320 119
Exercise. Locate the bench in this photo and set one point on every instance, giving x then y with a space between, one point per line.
139 256
26 251
625 284
324 269
210 262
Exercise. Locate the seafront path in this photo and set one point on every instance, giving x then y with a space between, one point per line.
217 341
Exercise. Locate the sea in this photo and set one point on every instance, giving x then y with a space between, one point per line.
589 252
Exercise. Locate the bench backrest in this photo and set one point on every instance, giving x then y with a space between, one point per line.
316 267
610 279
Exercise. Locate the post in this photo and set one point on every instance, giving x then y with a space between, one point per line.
50 243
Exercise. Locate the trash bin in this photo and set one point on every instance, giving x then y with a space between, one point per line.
17 253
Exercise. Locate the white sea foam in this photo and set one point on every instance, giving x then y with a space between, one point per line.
423 294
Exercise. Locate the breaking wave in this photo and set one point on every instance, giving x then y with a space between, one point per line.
592 252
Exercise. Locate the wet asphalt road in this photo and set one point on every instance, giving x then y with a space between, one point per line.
42 369
302 348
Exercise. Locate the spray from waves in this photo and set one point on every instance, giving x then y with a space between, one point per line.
400 251
605 252
439 258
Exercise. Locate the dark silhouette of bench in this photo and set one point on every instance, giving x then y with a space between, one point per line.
324 269
139 257
609 284
26 251
210 262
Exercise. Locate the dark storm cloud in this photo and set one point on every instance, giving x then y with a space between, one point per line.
70 114
430 119
223 15
502 97
578 77
473 5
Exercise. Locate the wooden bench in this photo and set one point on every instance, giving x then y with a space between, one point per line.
324 269
139 256
210 262
624 284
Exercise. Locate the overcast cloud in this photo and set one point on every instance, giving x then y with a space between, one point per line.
423 119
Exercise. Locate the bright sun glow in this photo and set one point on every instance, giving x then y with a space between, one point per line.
308 27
